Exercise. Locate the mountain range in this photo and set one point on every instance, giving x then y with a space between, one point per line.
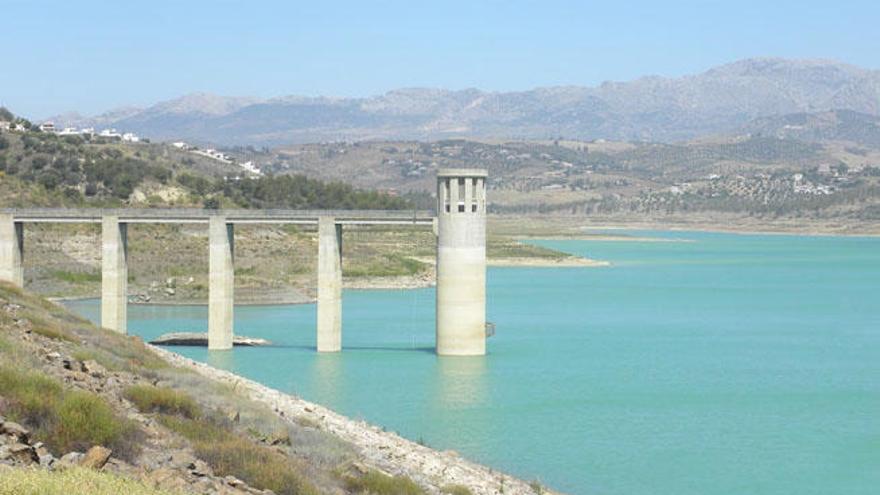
744 96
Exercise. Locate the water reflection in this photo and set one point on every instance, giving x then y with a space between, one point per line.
327 378
461 382
224 360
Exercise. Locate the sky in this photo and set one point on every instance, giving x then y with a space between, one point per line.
92 56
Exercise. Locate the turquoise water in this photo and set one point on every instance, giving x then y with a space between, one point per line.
730 364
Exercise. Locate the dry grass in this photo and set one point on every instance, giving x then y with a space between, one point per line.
149 398
376 483
229 453
69 481
456 490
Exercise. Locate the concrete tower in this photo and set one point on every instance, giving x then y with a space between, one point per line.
461 262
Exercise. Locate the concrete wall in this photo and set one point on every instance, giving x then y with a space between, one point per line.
11 250
221 283
329 285
114 274
461 262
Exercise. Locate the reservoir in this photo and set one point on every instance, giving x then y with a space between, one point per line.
696 363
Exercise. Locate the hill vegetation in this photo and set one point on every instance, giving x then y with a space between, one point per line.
96 171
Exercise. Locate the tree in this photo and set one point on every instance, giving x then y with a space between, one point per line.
211 203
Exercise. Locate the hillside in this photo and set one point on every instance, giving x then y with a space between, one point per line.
108 414
720 100
80 170
756 177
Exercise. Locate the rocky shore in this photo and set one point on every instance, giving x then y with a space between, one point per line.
385 450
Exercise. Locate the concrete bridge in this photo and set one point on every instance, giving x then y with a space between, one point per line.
460 225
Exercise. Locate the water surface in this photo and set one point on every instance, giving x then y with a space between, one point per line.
727 364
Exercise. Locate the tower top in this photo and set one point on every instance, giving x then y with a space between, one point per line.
462 172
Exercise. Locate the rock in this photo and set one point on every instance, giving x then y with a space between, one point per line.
46 460
170 282
200 468
22 453
234 416
15 430
96 457
170 291
93 368
53 356
69 459
233 481
201 339
70 364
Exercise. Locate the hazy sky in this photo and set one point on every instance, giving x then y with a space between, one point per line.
91 56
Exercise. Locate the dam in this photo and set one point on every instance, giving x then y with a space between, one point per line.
459 225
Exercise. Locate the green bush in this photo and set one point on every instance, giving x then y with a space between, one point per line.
66 420
148 398
76 277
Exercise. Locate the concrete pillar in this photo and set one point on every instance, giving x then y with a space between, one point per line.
222 282
461 262
329 285
11 250
114 274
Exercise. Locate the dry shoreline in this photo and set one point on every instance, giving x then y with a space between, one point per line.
382 449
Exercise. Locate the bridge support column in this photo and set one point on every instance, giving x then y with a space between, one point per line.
114 274
222 281
461 262
11 250
329 285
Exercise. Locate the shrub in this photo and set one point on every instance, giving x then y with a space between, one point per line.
456 490
376 483
229 453
73 480
66 420
148 398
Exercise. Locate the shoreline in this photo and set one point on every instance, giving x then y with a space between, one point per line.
383 449
807 231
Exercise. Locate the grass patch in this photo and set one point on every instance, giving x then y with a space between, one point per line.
388 265
229 453
76 277
376 483
456 490
500 247
148 398
66 420
74 480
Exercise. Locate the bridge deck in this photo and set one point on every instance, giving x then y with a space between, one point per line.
191 215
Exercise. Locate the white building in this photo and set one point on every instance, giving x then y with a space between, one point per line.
47 127
110 133
250 167
130 137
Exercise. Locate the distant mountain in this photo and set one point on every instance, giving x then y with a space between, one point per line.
835 125
723 99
